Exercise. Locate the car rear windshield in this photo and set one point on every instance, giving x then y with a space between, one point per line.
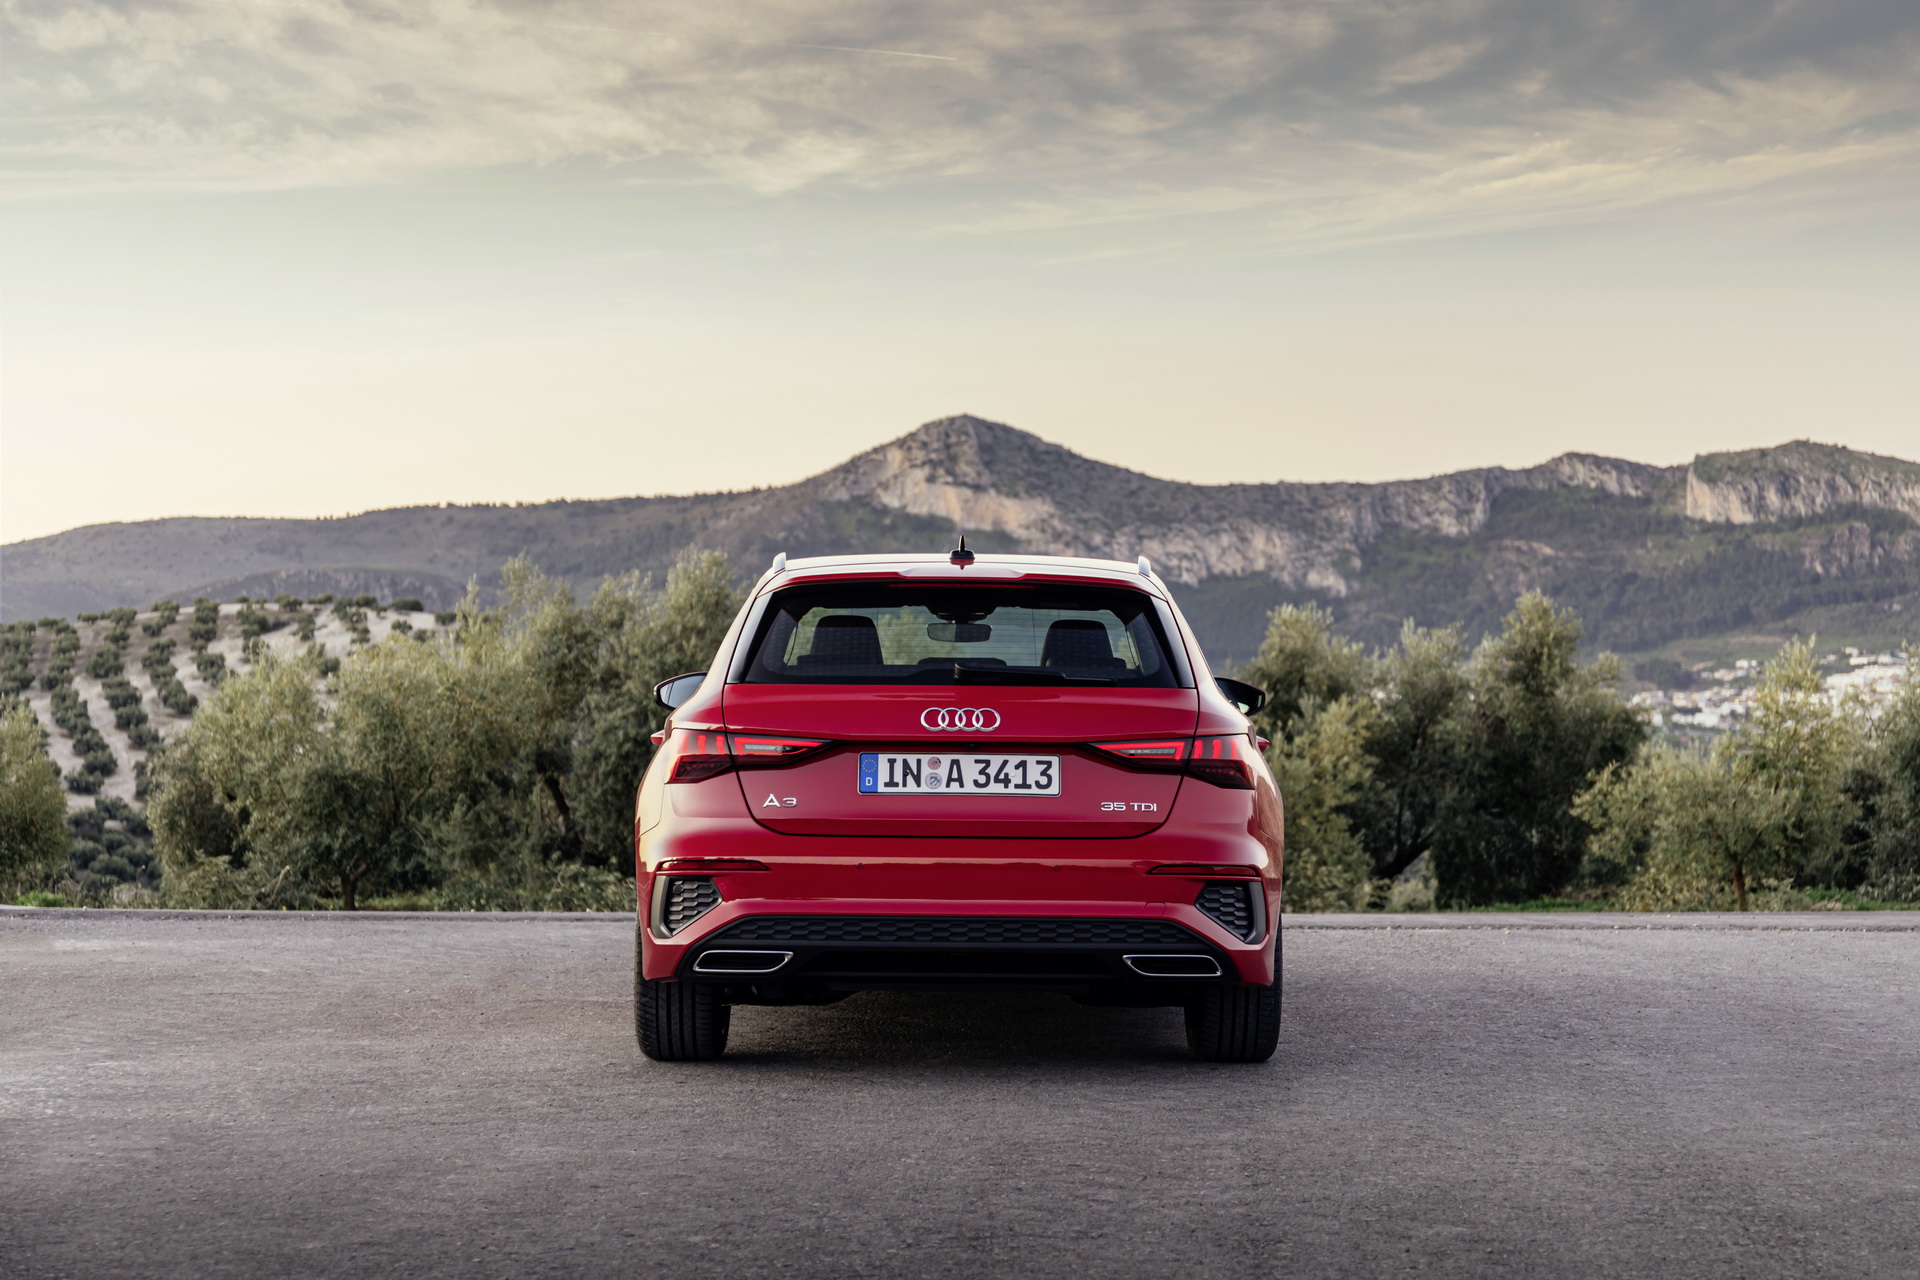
999 633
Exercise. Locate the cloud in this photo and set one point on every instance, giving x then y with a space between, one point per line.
1315 121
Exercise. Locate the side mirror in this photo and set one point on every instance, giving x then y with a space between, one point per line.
671 693
1249 698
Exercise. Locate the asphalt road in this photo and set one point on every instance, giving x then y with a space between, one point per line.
461 1096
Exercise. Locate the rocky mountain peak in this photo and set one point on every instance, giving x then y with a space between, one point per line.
1797 481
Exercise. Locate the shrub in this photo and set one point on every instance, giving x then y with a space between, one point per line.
201 634
408 604
80 782
89 617
212 667
304 627
446 618
106 661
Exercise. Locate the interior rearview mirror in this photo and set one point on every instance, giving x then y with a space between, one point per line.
1248 697
671 693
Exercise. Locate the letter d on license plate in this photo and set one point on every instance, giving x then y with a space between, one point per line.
914 774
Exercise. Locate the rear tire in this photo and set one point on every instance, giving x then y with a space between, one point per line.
1235 1024
678 1021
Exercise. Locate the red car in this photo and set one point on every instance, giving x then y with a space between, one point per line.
958 772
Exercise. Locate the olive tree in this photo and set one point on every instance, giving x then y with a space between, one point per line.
1413 742
591 671
338 794
1767 802
1535 729
33 806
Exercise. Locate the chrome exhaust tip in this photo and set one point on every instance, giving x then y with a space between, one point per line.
736 962
1186 966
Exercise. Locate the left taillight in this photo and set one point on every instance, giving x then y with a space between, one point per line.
1225 761
700 754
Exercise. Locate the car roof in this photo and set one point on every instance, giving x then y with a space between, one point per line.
985 566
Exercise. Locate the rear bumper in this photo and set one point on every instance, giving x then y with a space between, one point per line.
1070 946
878 879
1126 960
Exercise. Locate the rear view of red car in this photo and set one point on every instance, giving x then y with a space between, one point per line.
958 772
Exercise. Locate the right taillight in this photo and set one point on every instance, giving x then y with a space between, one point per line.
1225 761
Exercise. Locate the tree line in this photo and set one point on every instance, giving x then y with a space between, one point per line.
495 768
1435 775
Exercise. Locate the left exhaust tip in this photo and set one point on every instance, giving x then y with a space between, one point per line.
736 962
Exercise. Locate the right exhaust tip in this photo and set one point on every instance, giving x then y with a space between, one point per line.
737 962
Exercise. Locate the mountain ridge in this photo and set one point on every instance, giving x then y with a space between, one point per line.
1805 526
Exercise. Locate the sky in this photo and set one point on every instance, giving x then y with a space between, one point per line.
321 256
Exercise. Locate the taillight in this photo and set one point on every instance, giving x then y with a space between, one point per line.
1223 761
755 751
1166 753
701 754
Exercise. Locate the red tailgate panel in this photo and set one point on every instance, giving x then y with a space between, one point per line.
1097 799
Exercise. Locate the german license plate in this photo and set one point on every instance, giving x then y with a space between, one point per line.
889 774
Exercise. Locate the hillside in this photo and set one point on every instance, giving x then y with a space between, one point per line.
1749 545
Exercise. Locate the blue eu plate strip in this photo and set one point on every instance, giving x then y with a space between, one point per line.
869 774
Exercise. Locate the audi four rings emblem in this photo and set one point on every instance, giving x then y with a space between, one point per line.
960 719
